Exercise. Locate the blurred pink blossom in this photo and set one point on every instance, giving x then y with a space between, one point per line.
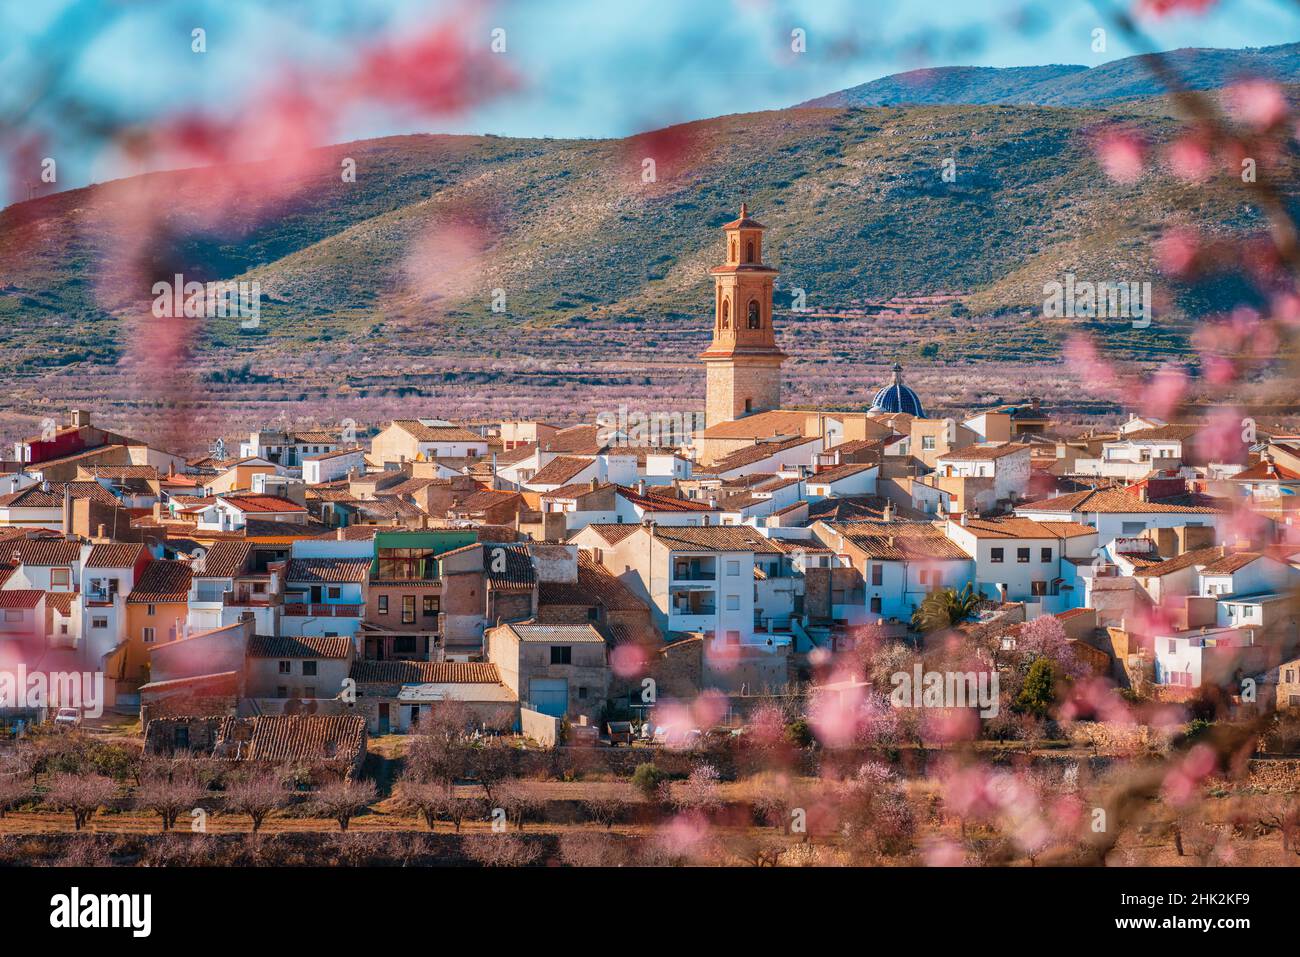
1121 155
1258 104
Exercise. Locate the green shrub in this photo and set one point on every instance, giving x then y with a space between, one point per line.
647 778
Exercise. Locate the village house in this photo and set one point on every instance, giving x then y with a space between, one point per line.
305 667
1019 559
395 696
288 449
411 440
328 466
894 565
156 612
557 670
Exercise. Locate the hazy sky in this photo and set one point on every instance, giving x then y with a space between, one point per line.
78 72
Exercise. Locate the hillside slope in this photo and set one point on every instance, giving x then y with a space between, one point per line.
1127 78
378 294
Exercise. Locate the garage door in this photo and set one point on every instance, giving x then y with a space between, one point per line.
549 696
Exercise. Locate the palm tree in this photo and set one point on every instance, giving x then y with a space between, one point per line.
945 607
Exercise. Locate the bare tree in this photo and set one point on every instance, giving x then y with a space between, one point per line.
13 792
519 805
435 803
169 799
490 763
584 849
83 795
605 810
344 800
502 850
256 794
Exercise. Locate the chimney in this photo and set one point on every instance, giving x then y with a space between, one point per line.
338 535
67 509
595 483
640 486
99 530
888 514
965 516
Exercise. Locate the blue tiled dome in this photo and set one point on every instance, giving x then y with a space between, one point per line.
897 397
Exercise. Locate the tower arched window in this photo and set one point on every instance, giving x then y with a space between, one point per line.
755 319
726 314
749 251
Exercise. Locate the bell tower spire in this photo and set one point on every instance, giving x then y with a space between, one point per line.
743 362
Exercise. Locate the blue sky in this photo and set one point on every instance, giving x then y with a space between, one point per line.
78 71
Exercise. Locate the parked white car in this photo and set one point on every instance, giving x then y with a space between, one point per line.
67 717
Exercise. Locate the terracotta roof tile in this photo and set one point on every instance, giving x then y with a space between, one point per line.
560 470
45 552
304 646
161 583
293 737
328 570
424 672
1112 501
436 433
20 597
114 555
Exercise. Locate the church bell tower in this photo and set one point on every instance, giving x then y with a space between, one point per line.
742 363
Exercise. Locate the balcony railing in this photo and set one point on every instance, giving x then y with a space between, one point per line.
247 598
323 611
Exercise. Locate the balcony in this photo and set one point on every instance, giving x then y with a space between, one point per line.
247 599
694 571
323 611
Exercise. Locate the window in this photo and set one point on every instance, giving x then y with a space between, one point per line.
582 691
749 251
877 574
148 636
309 691
1022 556
281 691
1038 588
755 320
334 591
561 655
1046 555
60 577
408 609
927 443
593 613
1173 646
1290 675
431 606
286 667
749 405
98 622
995 555
13 614
733 603
733 637
733 568
309 670
875 604
152 610
383 604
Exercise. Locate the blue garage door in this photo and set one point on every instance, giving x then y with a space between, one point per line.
549 696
